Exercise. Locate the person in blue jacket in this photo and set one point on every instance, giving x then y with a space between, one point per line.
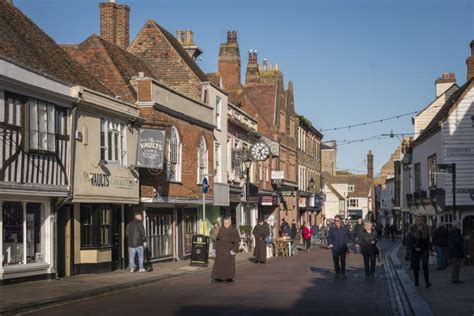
338 238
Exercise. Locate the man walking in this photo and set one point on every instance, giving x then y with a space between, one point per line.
339 237
136 241
440 243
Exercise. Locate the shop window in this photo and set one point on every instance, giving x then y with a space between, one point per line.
113 147
158 234
95 226
22 233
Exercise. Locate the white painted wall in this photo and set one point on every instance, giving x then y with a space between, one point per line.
420 153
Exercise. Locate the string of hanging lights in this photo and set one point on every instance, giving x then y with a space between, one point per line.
369 122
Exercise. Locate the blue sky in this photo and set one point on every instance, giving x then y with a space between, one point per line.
350 61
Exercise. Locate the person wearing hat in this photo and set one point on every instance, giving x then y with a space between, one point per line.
261 231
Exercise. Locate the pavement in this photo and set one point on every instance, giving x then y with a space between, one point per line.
299 285
444 297
23 297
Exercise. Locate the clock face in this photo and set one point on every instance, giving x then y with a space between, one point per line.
260 151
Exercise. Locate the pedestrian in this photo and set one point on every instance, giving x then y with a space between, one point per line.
293 236
420 248
456 250
379 229
393 231
338 238
368 245
261 231
307 235
213 234
315 235
387 231
136 241
227 245
358 229
440 243
284 228
323 235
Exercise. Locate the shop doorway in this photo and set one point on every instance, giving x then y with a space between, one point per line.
117 262
65 242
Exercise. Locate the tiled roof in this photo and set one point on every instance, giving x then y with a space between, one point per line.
22 41
362 184
184 55
110 64
443 113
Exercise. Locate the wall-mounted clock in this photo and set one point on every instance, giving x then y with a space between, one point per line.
260 151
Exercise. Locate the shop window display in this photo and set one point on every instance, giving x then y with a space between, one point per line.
22 233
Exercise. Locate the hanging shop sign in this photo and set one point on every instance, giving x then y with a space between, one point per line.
302 201
150 148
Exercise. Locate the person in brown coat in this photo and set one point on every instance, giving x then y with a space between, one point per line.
227 246
260 232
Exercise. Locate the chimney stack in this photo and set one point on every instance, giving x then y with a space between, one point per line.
185 38
229 62
470 63
370 165
115 23
252 57
444 82
253 68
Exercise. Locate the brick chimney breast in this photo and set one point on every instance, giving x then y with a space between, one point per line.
115 23
470 63
229 62
370 165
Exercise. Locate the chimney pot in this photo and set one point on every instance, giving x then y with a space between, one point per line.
470 62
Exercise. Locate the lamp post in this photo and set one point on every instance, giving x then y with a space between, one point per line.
311 189
248 165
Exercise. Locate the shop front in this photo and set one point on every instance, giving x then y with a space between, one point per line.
269 209
105 186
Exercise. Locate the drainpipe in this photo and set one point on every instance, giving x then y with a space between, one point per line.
71 185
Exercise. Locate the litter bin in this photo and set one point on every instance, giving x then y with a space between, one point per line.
200 251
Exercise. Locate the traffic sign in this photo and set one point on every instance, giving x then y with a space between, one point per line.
205 185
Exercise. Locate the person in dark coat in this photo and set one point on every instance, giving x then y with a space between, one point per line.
284 228
358 229
440 243
379 229
456 250
136 241
227 245
338 238
368 245
261 231
294 237
420 247
315 236
393 231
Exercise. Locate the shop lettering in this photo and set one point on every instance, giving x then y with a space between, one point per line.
100 180
151 145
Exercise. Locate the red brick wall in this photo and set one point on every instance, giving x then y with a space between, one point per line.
152 46
190 135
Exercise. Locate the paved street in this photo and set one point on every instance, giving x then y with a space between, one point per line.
299 285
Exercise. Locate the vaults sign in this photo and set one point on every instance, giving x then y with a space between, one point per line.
150 148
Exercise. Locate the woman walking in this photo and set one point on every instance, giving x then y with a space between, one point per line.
307 235
420 247
368 244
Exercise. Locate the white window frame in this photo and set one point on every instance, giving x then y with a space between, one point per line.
202 164
42 128
350 188
117 151
218 113
353 202
218 161
174 159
